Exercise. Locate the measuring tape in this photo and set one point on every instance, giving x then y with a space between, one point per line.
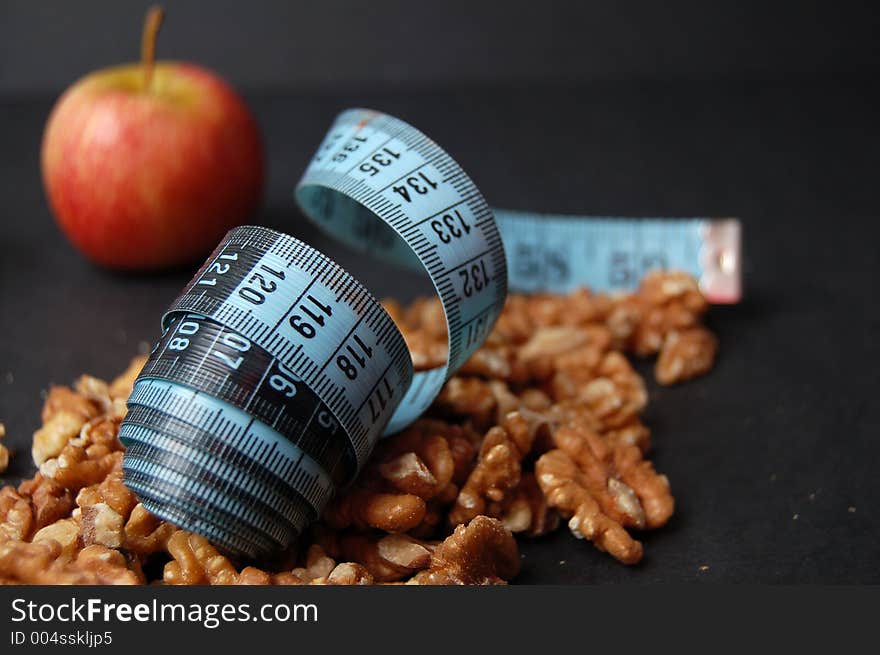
277 371
550 252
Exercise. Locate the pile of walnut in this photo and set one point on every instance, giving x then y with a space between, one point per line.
542 422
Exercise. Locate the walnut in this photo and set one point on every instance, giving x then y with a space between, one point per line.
64 399
685 354
582 307
481 552
663 288
498 468
565 344
487 402
578 308
595 459
567 489
348 573
251 575
418 460
623 321
110 491
28 563
366 507
651 488
120 388
95 390
497 472
318 566
388 558
506 400
16 517
395 311
548 342
611 389
4 451
409 474
514 325
144 533
623 483
528 512
65 532
39 563
488 362
51 439
427 352
423 326
49 500
108 565
285 578
195 561
405 471
101 524
470 397
546 309
463 450
668 300
319 570
88 458
426 314
634 433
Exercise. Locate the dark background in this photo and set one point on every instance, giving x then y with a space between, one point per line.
280 45
759 110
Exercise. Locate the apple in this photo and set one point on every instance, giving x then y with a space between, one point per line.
147 165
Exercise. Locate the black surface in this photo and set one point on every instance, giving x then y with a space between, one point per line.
772 457
278 44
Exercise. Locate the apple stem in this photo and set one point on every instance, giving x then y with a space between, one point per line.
152 22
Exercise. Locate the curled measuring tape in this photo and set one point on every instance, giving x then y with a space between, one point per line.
277 371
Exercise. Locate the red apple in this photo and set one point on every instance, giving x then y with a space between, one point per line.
147 166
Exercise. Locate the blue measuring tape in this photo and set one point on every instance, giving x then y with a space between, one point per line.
551 252
277 372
